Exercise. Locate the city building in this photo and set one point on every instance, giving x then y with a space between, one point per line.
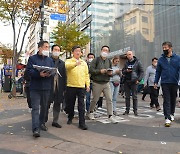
167 24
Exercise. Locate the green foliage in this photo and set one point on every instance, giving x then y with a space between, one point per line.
5 53
68 36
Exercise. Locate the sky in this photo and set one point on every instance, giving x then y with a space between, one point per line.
6 34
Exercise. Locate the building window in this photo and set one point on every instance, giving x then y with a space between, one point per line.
145 31
133 20
144 19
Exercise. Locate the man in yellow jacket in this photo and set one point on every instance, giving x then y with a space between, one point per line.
78 83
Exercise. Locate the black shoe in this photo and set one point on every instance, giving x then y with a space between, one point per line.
54 124
69 121
135 113
43 127
83 127
126 113
36 133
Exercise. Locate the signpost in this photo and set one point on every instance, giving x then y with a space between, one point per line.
57 16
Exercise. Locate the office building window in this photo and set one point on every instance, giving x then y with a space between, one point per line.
144 19
145 31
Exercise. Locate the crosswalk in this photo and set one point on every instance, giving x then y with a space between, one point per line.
101 115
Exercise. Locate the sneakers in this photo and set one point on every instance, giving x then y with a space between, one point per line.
36 133
167 123
112 120
91 116
172 117
126 113
43 127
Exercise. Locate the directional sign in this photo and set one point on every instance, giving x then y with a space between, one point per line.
57 16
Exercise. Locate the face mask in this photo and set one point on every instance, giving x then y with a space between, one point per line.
104 54
45 53
56 54
90 60
166 52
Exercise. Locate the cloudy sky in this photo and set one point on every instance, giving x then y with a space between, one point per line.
6 34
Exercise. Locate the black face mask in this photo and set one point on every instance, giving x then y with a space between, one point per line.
166 52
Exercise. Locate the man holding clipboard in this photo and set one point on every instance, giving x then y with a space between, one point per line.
40 86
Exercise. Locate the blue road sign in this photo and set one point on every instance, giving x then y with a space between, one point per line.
57 16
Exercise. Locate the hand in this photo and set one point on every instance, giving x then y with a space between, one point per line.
155 86
78 62
44 74
137 82
87 89
129 70
103 71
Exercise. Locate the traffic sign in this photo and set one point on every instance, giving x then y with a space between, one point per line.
57 16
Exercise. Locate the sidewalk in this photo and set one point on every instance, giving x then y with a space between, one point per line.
142 135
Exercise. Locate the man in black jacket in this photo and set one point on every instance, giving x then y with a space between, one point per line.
133 73
58 85
40 86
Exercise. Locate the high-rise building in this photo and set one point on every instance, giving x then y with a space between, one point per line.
167 24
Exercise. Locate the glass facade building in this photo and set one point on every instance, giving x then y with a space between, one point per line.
139 25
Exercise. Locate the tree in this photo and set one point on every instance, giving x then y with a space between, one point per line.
20 14
68 36
5 53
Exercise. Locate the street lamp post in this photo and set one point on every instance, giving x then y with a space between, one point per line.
42 19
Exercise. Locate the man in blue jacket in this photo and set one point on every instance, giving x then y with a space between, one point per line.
40 86
168 69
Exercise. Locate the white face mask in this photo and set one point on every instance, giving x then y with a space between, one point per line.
45 53
104 54
56 54
91 59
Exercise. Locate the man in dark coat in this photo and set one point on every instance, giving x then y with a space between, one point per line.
40 86
133 73
168 68
58 85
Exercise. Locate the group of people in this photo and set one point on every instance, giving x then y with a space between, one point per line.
76 79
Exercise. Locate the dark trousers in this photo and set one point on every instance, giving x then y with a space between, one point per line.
154 93
27 91
39 102
57 101
130 88
71 94
56 107
169 96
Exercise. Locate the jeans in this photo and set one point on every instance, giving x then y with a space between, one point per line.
114 93
130 87
88 98
39 102
71 94
169 96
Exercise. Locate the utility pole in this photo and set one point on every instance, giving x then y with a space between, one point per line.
42 19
